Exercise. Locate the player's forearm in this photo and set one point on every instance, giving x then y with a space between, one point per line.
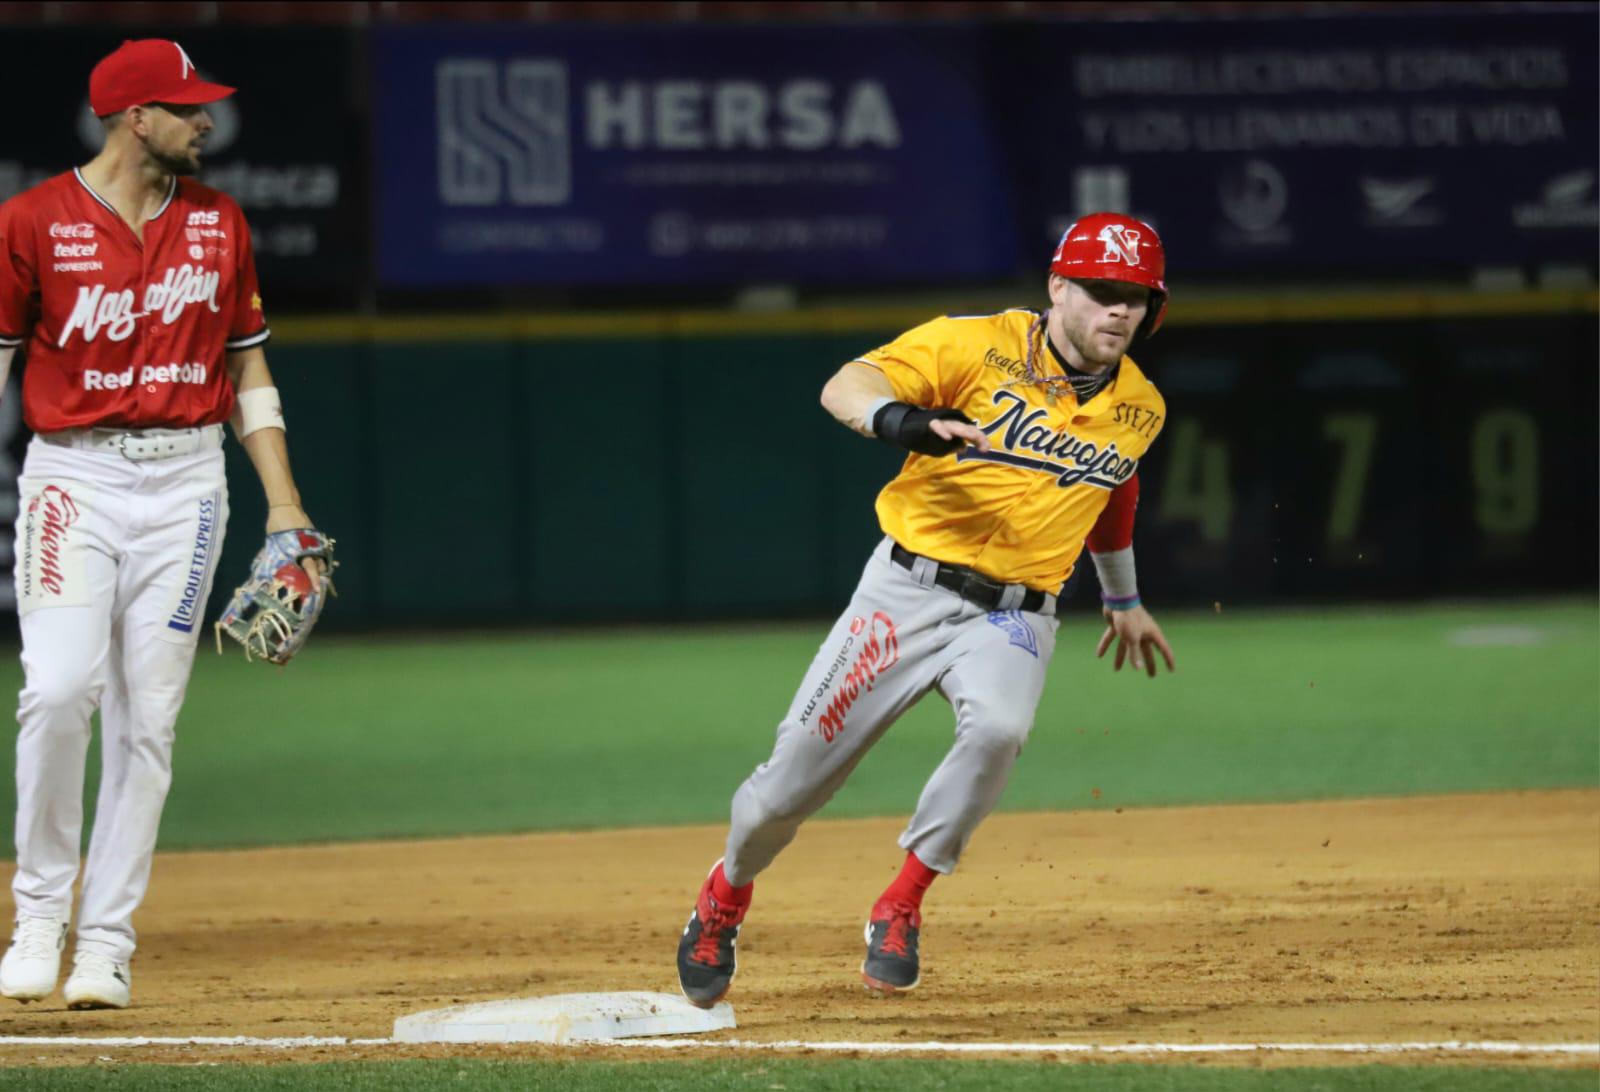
852 395
1119 582
1111 546
267 445
268 449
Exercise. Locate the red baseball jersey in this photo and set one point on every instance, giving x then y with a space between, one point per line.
124 332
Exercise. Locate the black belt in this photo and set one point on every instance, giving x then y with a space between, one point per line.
972 586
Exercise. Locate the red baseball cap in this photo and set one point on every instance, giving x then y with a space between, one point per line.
149 70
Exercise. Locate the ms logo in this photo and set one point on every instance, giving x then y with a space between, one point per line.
1122 244
503 132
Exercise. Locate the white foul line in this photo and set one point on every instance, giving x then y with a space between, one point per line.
1452 1046
1129 1048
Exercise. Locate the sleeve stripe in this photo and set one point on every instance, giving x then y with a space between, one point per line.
11 341
868 363
249 340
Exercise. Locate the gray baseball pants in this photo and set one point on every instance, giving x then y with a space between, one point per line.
901 636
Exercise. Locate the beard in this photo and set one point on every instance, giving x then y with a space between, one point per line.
178 163
1093 352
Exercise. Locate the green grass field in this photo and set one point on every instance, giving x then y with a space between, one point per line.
793 1074
466 733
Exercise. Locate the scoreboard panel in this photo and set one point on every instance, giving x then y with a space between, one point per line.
1372 459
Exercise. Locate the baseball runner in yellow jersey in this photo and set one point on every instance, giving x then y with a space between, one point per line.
1025 430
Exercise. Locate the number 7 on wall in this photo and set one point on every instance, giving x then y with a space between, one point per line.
1356 434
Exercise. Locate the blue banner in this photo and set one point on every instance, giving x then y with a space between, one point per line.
1321 146
633 155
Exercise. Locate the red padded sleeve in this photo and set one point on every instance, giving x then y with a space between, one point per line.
1114 529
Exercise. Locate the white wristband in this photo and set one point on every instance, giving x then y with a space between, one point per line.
1119 585
872 411
256 409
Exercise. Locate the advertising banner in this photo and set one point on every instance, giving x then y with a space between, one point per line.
1334 146
630 155
288 146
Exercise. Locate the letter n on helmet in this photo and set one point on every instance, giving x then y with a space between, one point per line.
1107 246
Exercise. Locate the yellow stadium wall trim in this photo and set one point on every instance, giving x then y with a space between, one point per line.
1204 311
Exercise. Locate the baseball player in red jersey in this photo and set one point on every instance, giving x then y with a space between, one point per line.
1024 432
132 290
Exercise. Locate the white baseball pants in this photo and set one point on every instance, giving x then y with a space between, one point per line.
114 563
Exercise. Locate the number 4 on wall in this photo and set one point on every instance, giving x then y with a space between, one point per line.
1196 484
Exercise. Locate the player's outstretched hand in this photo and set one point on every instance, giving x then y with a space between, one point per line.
1138 638
960 430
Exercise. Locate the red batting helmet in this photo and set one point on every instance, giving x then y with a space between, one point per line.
1107 246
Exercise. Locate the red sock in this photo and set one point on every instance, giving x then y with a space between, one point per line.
913 882
725 893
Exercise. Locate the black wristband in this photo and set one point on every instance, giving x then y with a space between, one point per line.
905 425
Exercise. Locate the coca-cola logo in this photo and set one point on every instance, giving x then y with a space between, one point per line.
97 309
55 511
880 651
71 231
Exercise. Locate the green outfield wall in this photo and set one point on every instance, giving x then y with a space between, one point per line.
663 465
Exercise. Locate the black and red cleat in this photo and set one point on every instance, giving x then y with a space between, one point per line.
706 956
892 965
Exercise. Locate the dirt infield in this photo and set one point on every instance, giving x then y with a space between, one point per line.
1424 919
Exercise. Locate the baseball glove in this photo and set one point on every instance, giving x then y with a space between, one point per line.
273 611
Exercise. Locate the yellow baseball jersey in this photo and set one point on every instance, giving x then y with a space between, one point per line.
1020 512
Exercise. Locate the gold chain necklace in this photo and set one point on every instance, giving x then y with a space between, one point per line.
1050 383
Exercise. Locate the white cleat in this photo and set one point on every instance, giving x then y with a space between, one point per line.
30 967
97 982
